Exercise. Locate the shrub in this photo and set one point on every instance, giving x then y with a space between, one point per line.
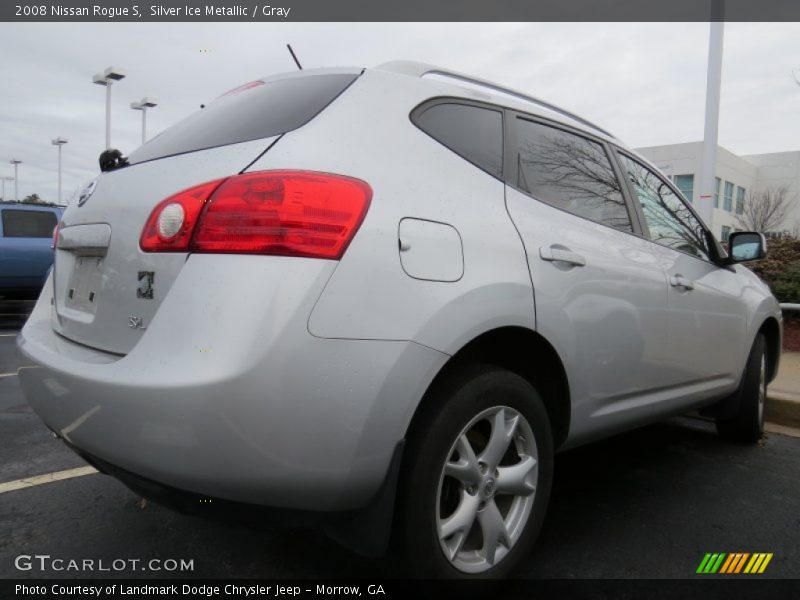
781 269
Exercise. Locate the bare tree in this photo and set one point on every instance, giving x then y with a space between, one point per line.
766 209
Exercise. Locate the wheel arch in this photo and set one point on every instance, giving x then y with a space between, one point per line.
521 351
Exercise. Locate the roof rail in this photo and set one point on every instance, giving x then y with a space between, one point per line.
418 69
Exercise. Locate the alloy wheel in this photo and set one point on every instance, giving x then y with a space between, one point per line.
486 489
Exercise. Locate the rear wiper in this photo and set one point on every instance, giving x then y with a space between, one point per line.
112 159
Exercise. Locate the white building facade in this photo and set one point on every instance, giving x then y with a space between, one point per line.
736 177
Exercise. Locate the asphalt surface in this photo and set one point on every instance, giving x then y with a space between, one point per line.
647 504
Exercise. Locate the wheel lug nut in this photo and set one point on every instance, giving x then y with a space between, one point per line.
471 490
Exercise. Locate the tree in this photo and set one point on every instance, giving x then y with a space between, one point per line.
32 199
766 210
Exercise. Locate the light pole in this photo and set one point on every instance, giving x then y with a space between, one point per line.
5 178
16 164
143 105
705 206
59 141
107 78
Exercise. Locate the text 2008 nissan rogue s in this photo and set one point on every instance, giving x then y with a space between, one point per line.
382 299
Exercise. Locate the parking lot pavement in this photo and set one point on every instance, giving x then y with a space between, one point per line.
646 504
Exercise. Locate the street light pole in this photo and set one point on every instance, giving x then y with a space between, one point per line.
59 141
5 178
143 105
16 163
107 78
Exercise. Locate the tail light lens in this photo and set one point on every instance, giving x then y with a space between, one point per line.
162 221
288 213
54 243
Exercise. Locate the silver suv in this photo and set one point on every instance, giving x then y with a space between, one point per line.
380 300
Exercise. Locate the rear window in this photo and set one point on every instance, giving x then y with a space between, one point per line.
28 223
251 112
473 132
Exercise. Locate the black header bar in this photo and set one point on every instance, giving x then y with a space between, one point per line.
399 11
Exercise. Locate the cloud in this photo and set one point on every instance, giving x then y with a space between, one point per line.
644 82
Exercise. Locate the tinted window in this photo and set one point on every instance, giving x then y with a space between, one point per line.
474 132
28 223
261 111
571 173
669 219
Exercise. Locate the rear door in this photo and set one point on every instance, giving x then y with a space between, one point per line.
707 314
600 294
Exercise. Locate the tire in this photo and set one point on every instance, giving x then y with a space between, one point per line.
481 518
747 425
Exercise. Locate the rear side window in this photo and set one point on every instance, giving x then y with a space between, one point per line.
28 223
571 173
473 132
253 111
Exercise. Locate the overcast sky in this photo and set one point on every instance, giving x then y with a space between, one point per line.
643 82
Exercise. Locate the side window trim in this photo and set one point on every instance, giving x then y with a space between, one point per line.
431 102
679 196
511 166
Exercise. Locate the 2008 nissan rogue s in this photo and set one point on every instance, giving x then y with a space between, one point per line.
382 299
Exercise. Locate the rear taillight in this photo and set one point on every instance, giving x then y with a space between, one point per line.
54 243
288 213
162 233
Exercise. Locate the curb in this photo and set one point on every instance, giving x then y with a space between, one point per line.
782 409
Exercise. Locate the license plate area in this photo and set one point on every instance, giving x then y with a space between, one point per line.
83 290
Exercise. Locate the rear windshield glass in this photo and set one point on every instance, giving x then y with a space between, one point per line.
255 112
28 223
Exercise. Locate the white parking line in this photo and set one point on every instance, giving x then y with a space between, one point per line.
8 335
46 478
8 374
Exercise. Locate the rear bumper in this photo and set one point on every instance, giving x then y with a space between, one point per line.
256 411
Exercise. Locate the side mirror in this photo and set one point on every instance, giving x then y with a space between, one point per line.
746 245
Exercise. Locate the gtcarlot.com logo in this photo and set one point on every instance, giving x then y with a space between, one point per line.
45 562
734 563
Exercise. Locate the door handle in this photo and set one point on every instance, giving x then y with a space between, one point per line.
679 281
551 253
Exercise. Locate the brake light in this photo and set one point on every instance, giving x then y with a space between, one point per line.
54 243
288 213
163 232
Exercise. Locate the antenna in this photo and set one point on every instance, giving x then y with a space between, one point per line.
297 62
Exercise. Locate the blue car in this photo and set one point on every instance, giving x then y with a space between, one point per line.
26 253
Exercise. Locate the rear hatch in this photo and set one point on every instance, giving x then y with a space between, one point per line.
106 289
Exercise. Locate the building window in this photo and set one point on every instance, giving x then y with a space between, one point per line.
727 202
716 192
685 184
739 200
726 233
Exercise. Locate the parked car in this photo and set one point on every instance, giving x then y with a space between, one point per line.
380 300
26 247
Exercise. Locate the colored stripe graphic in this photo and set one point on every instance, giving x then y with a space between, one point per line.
764 564
734 563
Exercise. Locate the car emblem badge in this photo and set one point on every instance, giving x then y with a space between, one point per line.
87 192
135 322
145 287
